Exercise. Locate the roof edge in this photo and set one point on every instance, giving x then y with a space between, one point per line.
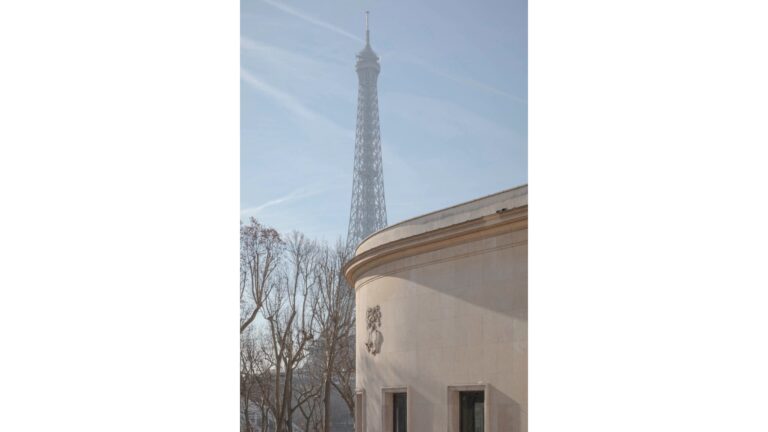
496 223
402 223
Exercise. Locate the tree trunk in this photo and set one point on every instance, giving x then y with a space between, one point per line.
264 419
246 414
327 390
326 403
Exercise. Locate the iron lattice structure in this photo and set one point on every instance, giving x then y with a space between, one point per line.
368 212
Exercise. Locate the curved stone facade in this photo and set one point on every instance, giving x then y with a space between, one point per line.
442 308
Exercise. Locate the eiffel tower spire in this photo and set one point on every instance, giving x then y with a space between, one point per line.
368 212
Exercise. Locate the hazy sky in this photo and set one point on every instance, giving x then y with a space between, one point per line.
452 105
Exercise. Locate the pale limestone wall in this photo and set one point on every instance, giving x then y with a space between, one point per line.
450 317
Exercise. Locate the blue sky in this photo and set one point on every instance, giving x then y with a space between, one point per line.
452 105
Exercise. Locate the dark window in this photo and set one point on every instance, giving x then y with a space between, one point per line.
471 412
399 412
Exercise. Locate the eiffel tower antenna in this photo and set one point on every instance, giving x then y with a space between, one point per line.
368 212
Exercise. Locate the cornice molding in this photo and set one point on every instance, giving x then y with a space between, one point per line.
475 229
363 281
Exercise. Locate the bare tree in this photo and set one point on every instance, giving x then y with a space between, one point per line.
344 381
290 313
253 374
336 319
303 348
260 252
311 413
308 388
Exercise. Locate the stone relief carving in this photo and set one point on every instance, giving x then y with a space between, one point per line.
373 344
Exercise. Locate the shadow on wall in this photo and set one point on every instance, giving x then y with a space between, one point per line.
428 298
491 281
506 414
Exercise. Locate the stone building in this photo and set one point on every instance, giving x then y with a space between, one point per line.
442 320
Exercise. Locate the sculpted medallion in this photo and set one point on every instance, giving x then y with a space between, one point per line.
373 344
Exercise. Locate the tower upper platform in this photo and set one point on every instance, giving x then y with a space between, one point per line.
367 58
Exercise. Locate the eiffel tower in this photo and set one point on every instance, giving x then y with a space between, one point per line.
368 213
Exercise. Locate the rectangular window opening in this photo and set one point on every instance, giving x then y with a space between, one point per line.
471 411
399 412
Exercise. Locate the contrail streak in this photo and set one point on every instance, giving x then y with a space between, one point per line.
312 20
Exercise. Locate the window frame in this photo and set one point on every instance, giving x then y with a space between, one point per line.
360 410
387 407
